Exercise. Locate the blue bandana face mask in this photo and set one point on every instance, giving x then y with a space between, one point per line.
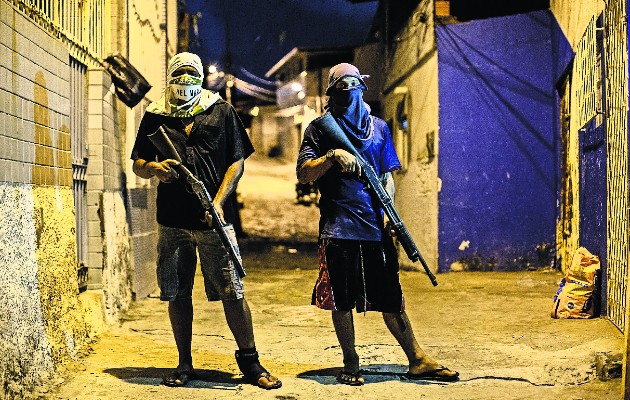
352 115
345 97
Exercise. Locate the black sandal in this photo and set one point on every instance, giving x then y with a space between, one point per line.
179 378
348 378
253 372
440 374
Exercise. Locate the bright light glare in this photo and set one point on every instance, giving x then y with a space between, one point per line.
212 69
296 86
301 95
254 111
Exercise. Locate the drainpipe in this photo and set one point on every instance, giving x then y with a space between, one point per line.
163 28
126 52
386 33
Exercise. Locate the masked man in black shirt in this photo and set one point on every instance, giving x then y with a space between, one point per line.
213 144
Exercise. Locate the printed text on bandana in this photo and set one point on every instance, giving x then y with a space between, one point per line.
185 92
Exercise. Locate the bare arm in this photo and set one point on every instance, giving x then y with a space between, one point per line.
387 180
228 186
315 168
230 181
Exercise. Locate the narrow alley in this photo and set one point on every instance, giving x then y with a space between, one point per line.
494 328
505 127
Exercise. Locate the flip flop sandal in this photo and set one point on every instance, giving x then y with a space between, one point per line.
178 378
350 379
435 375
264 380
255 373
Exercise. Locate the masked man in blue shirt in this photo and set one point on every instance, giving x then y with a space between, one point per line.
358 260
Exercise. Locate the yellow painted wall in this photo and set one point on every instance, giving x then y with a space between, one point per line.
148 42
44 322
573 16
55 254
25 353
117 257
42 326
414 71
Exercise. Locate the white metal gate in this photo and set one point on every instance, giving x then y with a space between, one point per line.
78 144
616 34
80 24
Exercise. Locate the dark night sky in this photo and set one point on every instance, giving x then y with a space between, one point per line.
261 32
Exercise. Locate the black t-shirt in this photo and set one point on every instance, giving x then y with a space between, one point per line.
217 140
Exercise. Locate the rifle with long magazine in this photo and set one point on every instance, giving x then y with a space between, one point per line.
327 123
161 141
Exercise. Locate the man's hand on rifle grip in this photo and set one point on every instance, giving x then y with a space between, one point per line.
347 161
219 210
389 227
162 170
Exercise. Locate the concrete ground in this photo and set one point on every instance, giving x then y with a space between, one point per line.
494 328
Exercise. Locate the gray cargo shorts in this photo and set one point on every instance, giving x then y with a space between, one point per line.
177 263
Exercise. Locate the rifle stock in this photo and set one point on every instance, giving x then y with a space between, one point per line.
164 145
330 126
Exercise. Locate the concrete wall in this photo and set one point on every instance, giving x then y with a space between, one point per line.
264 132
278 136
369 60
573 17
141 218
43 322
117 266
414 72
497 112
110 267
152 40
147 42
596 146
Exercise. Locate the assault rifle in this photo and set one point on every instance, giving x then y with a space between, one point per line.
327 124
161 141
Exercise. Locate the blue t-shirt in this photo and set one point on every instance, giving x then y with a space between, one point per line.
347 208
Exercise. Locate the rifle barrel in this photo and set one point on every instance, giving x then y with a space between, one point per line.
164 145
406 241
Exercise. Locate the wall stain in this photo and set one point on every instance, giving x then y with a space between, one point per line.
43 173
55 223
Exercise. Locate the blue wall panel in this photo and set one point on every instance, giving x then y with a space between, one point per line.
499 137
593 194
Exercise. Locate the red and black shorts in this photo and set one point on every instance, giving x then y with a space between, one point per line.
358 273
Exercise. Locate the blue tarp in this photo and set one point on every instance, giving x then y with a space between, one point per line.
499 137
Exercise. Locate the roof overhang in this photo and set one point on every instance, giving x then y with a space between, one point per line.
282 61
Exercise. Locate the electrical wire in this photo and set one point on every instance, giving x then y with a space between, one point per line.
256 78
